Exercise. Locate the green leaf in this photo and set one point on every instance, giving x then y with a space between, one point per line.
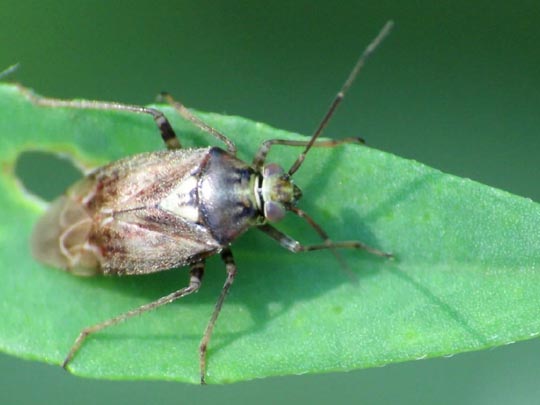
465 277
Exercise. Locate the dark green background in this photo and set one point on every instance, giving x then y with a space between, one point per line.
456 86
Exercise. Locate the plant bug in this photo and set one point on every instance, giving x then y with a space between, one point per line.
161 210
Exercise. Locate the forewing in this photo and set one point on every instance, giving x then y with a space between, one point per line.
142 180
150 240
137 215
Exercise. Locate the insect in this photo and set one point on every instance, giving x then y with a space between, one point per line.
161 210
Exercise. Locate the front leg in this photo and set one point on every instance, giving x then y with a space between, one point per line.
294 246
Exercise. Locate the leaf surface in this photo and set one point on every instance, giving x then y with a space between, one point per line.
465 276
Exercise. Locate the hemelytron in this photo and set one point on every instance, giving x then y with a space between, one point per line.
161 210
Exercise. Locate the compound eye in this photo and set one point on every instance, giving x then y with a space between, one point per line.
274 211
272 169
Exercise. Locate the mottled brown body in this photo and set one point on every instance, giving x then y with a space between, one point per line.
161 210
149 212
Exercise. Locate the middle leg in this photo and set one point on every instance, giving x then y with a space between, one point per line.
188 115
230 265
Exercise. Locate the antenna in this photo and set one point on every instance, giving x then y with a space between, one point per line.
383 33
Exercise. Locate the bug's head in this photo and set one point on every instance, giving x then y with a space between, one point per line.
278 192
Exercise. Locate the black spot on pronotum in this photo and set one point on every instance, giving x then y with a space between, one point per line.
45 174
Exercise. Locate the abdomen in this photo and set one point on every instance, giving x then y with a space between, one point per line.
111 221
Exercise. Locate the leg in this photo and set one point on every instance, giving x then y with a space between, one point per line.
196 272
186 114
230 266
9 70
260 157
167 133
294 246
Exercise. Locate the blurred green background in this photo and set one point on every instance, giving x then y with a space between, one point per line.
456 86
